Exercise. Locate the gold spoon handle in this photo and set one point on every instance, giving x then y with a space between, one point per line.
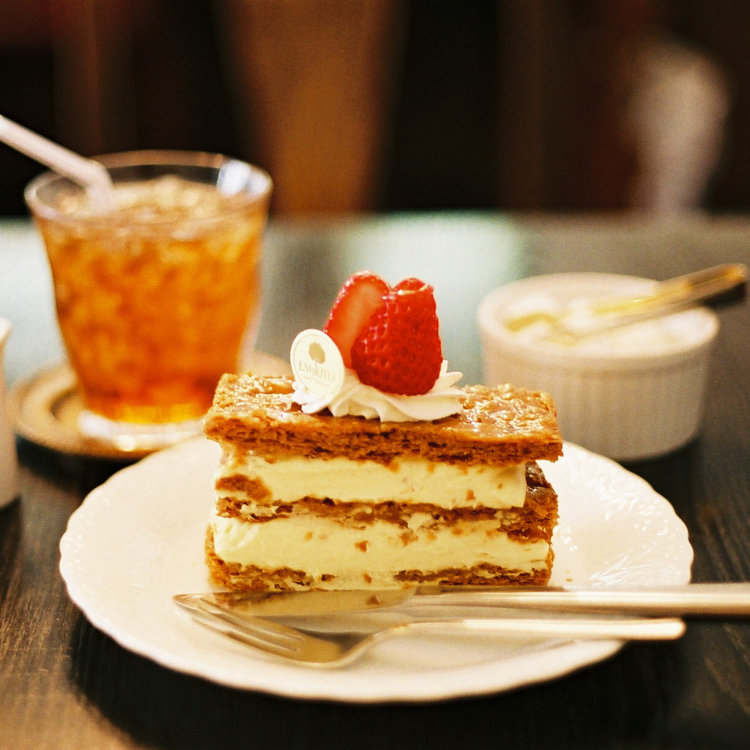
682 290
716 283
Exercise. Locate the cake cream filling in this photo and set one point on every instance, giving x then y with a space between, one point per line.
406 480
373 552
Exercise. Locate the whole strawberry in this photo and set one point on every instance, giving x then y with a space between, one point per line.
399 349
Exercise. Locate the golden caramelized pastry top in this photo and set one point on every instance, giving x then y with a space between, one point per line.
502 425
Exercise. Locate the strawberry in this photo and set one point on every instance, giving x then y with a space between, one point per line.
399 349
358 299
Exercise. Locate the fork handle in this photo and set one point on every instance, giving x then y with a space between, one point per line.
690 600
626 629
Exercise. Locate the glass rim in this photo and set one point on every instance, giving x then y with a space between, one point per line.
165 158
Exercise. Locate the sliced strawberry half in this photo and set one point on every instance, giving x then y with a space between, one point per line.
399 349
361 295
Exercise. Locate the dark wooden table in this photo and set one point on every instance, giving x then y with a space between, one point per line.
64 684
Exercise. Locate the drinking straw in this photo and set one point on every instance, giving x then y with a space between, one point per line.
89 173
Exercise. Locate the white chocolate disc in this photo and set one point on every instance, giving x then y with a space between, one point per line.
316 362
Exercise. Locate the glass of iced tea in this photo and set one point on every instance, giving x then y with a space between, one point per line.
159 295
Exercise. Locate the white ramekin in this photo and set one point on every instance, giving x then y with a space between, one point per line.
622 401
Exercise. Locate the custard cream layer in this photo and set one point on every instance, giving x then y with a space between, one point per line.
372 553
404 480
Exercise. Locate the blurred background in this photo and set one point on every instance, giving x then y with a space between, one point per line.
389 105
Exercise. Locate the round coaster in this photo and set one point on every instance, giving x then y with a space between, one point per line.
45 409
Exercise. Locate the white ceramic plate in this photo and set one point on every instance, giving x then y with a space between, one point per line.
138 539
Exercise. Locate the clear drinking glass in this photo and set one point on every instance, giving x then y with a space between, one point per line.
160 296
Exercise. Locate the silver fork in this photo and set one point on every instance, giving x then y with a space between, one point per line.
345 639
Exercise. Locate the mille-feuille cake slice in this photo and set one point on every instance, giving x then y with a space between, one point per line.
316 501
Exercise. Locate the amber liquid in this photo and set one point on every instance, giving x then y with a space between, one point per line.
154 312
